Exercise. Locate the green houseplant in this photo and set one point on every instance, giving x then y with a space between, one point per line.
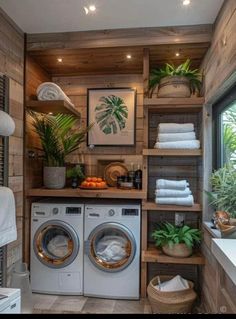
176 241
59 138
180 81
223 194
76 174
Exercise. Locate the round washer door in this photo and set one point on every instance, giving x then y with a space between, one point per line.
111 247
56 244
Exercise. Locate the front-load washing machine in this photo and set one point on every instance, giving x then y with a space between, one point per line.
112 251
57 247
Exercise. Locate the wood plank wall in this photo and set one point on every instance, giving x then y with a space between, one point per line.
220 61
12 65
76 89
219 68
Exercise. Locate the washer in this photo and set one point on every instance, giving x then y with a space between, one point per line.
112 251
57 247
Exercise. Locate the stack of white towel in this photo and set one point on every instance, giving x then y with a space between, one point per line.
176 136
173 193
49 91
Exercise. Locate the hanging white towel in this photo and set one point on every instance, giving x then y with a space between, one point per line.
51 91
172 193
174 137
184 201
175 128
8 231
7 124
169 184
190 145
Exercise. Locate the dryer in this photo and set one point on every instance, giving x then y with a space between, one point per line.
112 251
57 247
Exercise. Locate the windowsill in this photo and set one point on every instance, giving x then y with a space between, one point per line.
224 251
214 232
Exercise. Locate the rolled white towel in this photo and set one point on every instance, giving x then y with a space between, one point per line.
49 91
169 184
188 145
184 201
175 127
172 193
7 124
174 137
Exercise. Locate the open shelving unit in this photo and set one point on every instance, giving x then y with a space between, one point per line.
161 163
59 106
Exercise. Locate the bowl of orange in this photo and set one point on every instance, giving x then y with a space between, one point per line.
94 183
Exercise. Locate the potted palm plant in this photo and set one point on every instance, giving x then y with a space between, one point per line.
59 138
173 81
176 241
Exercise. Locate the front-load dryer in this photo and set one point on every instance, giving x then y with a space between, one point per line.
57 247
112 251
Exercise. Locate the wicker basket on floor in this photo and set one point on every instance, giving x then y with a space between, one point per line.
170 302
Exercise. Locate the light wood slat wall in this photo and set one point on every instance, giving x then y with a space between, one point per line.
220 61
12 65
76 89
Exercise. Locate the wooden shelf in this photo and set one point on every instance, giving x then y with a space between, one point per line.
69 192
193 103
171 152
55 107
154 255
155 207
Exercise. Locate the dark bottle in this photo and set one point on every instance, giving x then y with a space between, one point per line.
138 178
131 174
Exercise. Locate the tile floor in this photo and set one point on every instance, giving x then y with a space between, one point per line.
79 304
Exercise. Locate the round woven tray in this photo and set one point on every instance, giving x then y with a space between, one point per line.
114 170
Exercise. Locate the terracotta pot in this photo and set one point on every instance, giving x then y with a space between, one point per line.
177 250
174 86
54 177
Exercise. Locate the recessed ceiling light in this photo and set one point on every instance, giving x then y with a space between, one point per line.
129 56
92 8
186 2
177 54
59 60
50 113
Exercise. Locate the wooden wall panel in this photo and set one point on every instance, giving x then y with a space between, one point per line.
12 65
220 62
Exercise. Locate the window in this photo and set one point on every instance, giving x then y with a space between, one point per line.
224 115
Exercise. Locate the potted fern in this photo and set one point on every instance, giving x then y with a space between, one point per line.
176 241
59 138
173 81
76 175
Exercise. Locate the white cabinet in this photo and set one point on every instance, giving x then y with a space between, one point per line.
11 304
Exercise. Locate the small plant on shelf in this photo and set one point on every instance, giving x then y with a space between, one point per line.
76 174
173 81
176 241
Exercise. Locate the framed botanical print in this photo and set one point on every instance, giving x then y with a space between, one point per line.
113 112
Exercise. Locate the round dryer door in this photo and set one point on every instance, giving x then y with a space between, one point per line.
111 247
56 244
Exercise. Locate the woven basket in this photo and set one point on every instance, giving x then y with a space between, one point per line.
170 302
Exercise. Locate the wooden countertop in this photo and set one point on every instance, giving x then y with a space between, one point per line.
111 192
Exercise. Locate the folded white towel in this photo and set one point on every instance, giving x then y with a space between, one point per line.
174 137
8 231
190 145
169 184
7 124
172 193
175 128
184 201
49 91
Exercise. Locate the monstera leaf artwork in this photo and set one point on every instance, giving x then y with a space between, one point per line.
111 114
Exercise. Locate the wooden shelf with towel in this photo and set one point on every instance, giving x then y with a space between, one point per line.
53 107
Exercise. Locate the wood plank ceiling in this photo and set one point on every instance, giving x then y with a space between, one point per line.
114 60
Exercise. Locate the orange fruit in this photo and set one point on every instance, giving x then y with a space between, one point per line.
99 180
98 185
84 184
92 184
103 184
89 179
94 179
